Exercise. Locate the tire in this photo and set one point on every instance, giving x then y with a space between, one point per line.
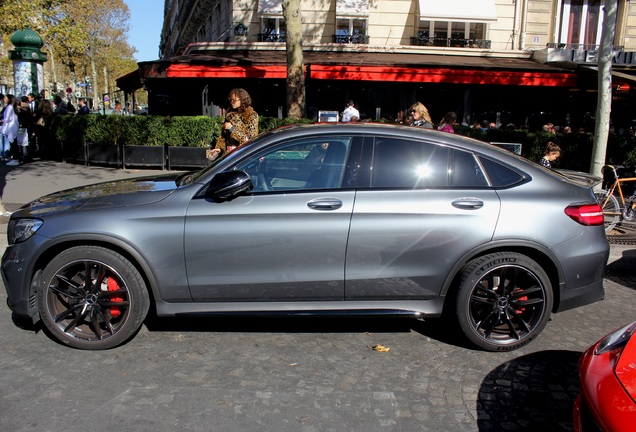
611 209
102 315
504 301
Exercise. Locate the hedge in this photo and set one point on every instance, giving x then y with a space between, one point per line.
201 131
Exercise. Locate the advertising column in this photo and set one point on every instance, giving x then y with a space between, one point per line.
28 62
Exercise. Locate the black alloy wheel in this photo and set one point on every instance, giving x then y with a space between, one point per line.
504 301
92 298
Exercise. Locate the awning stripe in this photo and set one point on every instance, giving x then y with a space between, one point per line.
381 73
458 10
443 75
203 71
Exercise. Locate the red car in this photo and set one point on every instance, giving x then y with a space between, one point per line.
607 372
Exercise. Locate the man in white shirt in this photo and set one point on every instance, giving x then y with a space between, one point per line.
350 112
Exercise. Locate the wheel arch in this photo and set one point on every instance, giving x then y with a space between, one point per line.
537 253
120 247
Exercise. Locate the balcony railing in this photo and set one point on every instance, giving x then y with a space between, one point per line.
271 37
351 39
450 42
584 47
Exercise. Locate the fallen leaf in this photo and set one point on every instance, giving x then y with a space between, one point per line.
380 348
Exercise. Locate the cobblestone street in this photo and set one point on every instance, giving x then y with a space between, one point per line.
304 374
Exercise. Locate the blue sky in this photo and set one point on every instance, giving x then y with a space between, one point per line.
146 20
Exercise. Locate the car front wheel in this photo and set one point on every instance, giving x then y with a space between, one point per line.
92 298
504 301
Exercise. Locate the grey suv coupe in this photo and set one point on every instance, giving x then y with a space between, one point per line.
325 219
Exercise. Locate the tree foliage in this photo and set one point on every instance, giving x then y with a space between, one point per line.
82 38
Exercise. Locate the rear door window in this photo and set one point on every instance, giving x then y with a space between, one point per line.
407 164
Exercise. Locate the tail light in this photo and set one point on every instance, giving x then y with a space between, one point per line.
587 214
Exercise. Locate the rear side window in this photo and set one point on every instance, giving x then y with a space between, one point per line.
417 165
500 176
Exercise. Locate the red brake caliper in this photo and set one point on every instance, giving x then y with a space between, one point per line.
114 286
522 309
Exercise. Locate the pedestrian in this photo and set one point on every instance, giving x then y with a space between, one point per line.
448 122
421 117
117 109
551 154
25 121
60 105
32 103
239 126
83 108
9 128
350 112
41 131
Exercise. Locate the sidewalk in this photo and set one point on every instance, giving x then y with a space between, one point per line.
24 183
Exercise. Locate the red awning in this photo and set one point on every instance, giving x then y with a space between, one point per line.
381 73
362 66
185 70
443 75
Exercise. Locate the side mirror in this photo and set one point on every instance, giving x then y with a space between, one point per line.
227 185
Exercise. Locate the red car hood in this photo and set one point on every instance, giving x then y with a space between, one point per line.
626 368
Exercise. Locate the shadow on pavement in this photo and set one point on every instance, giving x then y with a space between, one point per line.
535 392
437 329
269 324
623 270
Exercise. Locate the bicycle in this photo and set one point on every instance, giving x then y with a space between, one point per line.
616 211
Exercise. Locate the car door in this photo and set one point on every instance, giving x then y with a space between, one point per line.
283 241
419 209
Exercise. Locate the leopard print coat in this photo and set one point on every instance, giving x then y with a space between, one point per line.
245 127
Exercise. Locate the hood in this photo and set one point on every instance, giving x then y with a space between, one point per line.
120 193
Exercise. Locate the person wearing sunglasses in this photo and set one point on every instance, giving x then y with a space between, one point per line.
239 126
421 117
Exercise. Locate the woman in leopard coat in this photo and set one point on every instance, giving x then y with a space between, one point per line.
240 125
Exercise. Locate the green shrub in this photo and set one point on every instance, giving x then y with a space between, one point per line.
202 131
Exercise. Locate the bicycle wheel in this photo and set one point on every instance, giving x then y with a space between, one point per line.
611 209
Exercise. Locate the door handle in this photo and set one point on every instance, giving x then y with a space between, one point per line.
324 204
468 203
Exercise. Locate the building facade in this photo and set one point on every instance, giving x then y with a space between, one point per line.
508 61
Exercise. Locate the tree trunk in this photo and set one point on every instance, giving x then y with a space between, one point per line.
106 91
53 72
295 59
604 104
94 83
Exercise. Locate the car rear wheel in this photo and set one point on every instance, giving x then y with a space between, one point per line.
92 298
504 301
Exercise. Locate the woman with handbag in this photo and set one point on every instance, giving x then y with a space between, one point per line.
240 125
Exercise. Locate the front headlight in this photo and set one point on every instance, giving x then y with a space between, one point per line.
20 230
616 339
